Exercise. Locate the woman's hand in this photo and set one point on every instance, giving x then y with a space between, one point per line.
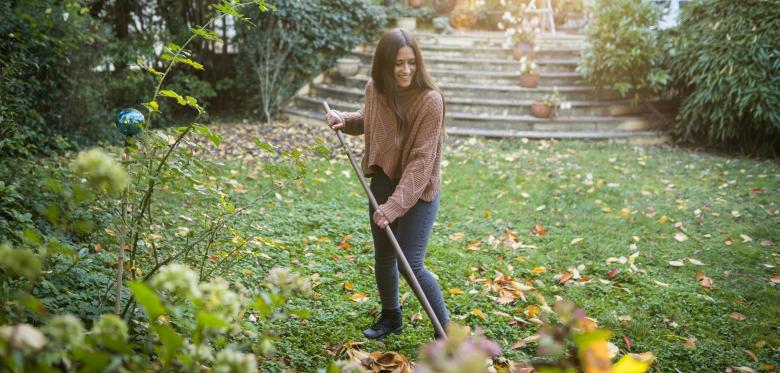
335 121
380 220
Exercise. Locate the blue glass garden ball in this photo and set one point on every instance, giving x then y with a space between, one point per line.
129 121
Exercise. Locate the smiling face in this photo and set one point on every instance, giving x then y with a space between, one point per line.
405 67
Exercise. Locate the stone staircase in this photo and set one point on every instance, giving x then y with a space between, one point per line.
483 94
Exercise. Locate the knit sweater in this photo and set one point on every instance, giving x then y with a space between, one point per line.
416 161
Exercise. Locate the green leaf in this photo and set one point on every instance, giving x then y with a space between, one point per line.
300 313
206 33
147 298
264 145
215 138
190 62
171 343
209 320
32 236
172 94
152 106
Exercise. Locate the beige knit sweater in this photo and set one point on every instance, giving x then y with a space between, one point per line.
416 161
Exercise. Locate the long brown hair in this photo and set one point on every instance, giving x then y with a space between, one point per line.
384 78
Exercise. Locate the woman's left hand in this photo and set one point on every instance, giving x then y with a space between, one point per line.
380 220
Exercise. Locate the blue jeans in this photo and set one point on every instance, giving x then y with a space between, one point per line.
411 231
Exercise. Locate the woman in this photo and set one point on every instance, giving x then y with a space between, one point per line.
403 124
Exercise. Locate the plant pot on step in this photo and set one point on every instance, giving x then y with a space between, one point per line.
408 23
529 80
415 3
444 7
348 67
540 110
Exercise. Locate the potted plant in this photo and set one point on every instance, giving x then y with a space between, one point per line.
415 3
521 34
348 66
464 15
529 78
545 107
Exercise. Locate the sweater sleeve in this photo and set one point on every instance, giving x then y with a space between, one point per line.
353 121
422 158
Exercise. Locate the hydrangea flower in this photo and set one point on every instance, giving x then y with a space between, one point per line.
100 170
178 279
231 361
65 329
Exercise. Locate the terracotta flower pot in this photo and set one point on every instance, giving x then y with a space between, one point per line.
443 7
415 3
529 80
540 110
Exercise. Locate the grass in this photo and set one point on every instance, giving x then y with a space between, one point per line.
619 200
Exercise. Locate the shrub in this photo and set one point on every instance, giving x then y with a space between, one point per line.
297 42
624 52
727 69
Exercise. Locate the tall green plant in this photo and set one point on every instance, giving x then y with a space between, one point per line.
624 53
726 67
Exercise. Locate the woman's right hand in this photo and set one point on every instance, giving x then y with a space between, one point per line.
335 121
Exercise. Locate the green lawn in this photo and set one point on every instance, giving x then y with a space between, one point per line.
714 215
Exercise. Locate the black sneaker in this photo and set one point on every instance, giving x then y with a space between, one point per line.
389 322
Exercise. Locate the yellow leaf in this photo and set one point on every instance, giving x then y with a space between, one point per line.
110 232
359 297
479 313
246 271
455 291
457 236
348 286
539 270
576 241
633 363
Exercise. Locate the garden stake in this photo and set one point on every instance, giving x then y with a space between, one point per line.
411 279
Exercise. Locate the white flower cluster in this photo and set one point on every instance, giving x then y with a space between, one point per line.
177 279
220 300
528 66
231 361
109 329
100 170
286 280
201 352
566 105
65 329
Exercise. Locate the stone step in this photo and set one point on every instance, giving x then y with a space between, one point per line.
492 52
504 122
485 77
354 91
497 107
471 38
457 123
472 63
630 137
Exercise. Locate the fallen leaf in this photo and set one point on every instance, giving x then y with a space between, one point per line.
746 238
705 281
519 344
344 245
775 279
728 241
246 271
676 263
474 246
479 313
625 318
576 241
695 261
737 316
539 270
566 276
540 231
661 284
348 286
690 343
455 291
679 236
612 273
752 355
359 297
627 340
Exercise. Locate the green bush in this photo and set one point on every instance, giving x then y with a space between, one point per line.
726 67
625 52
47 82
297 42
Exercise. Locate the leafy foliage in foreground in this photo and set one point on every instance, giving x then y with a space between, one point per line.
726 64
